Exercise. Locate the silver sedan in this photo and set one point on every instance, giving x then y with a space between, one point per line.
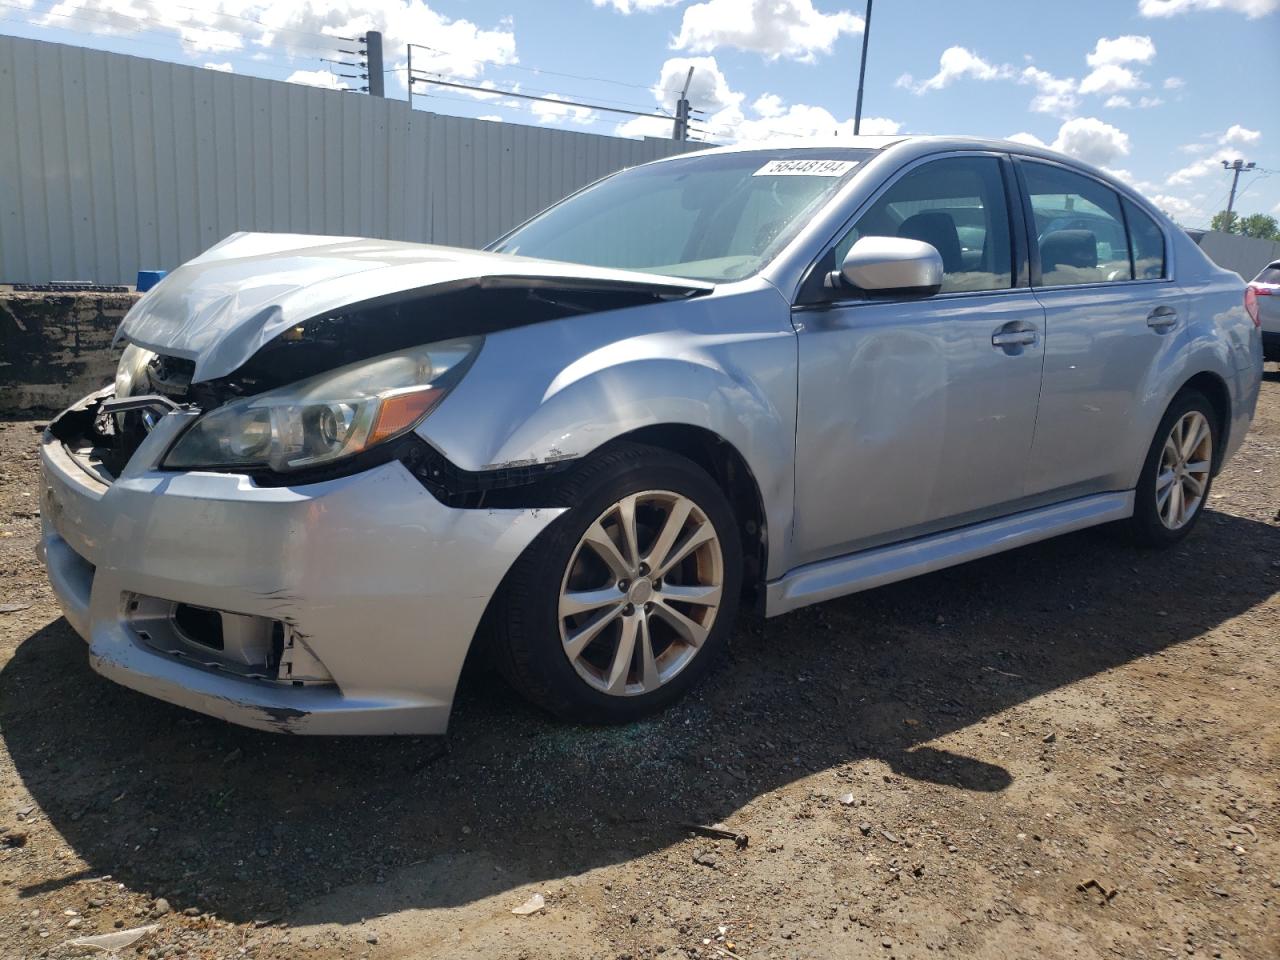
330 467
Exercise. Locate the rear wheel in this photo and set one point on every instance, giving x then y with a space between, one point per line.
619 607
1178 472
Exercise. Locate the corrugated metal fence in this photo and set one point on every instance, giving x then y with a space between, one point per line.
110 164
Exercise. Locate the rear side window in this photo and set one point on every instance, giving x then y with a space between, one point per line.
1146 243
1079 227
1269 274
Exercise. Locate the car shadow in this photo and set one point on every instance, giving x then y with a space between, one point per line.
252 825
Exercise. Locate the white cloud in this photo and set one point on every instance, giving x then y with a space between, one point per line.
1110 78
1177 207
1227 144
298 29
1091 140
768 105
491 117
554 112
220 67
1119 101
1127 49
628 6
953 64
709 94
1238 134
638 127
1168 8
801 120
772 28
709 89
317 78
1028 138
1174 83
1056 95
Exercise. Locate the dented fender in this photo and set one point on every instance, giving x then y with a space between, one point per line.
724 364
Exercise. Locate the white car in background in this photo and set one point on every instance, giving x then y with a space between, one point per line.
1264 299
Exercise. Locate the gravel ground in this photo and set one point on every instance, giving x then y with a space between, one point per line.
1070 750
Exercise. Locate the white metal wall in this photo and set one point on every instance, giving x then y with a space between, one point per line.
110 164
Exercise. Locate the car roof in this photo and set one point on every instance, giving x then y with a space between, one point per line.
878 142
907 147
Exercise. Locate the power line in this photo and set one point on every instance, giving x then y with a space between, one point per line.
529 96
502 91
550 73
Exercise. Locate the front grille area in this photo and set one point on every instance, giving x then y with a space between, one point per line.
251 647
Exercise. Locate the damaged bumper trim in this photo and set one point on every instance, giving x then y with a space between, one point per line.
381 585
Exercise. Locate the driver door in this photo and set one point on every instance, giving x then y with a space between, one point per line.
912 419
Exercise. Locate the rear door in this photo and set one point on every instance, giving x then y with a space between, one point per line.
1098 265
917 414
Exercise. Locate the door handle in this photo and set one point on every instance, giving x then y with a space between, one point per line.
1162 318
1014 338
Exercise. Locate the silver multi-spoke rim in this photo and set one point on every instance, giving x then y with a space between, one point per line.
1185 463
641 593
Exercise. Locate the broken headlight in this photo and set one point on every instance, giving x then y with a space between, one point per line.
326 417
132 369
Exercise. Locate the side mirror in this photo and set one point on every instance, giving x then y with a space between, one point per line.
891 264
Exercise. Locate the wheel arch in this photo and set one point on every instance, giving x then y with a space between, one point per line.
1214 389
733 474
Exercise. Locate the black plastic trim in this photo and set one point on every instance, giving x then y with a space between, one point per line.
518 485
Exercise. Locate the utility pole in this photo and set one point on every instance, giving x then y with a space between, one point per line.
373 62
681 129
1235 166
862 70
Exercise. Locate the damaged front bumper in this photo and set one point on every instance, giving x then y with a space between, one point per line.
340 607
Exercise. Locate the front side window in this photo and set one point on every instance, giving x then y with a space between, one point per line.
1146 243
706 217
957 204
1078 227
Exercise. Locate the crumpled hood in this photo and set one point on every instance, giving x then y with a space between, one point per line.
222 307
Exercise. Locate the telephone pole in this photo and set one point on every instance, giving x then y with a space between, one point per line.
1235 167
373 63
862 70
681 129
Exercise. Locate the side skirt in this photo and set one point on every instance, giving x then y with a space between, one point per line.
826 579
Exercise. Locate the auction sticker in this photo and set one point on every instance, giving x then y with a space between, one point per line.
806 168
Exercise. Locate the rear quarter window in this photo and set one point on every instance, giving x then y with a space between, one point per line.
1146 243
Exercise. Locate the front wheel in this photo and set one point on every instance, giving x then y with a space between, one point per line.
626 599
1178 472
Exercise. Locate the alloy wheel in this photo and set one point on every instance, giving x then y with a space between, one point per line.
1185 464
641 593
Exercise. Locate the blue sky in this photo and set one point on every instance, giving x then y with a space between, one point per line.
1159 91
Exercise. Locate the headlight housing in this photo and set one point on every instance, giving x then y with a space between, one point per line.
130 370
327 417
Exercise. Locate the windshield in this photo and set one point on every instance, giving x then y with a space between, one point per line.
705 217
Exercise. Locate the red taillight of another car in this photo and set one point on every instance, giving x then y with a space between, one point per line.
1251 304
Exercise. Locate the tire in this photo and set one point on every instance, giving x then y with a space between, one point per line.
1151 524
538 644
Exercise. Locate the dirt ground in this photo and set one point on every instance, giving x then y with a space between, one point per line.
931 768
